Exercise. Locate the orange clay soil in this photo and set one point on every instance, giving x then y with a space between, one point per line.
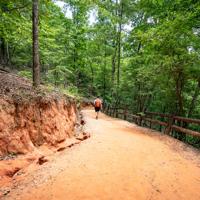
120 161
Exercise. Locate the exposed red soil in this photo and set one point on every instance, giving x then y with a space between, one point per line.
26 125
34 124
119 161
16 169
30 118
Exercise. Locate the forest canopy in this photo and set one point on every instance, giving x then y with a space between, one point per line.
142 54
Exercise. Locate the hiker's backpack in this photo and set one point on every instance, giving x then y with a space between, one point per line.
97 103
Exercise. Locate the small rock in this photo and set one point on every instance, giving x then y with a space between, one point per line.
42 160
82 122
83 137
6 192
61 149
11 173
70 145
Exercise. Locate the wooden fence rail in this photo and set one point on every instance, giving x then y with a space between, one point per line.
167 123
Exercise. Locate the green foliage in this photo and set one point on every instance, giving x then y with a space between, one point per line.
26 74
72 91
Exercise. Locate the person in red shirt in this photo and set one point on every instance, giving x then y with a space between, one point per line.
97 106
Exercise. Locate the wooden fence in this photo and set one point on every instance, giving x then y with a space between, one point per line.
164 122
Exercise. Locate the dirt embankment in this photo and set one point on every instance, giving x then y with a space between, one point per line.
33 125
30 119
26 125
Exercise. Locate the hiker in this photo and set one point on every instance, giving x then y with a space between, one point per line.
97 106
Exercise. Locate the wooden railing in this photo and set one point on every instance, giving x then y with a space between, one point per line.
163 122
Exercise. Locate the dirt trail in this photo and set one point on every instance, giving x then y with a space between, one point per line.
119 162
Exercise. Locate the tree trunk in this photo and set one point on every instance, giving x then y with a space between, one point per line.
115 41
138 98
36 63
104 73
119 43
75 50
179 87
147 103
2 51
92 81
180 111
194 99
114 63
139 47
7 54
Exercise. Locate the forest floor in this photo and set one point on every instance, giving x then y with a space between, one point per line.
119 161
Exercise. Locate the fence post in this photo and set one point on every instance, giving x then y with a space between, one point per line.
140 120
107 109
150 124
160 127
104 107
134 119
113 113
110 110
125 113
116 113
169 125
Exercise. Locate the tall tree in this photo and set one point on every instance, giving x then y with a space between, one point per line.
36 62
120 15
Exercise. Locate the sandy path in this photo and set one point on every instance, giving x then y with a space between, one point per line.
119 162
